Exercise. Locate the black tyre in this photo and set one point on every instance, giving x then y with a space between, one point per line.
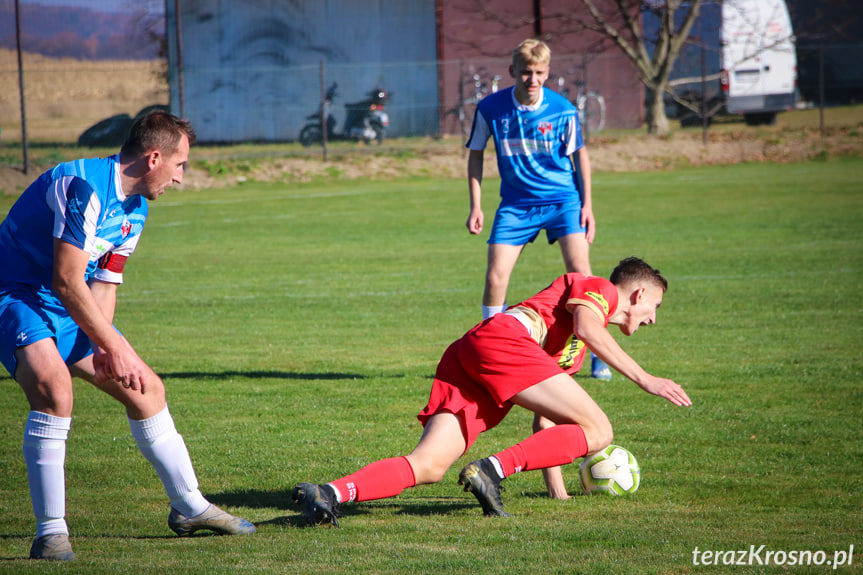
109 133
760 119
311 134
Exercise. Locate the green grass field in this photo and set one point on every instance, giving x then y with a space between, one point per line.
297 330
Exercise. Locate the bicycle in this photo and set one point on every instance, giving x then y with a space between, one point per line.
591 112
590 106
468 105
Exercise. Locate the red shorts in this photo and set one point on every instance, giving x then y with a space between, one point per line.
481 372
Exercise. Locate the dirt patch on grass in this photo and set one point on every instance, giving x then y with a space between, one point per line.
627 153
287 164
220 167
66 96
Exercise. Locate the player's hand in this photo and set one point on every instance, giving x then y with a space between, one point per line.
122 366
100 368
475 221
668 389
588 222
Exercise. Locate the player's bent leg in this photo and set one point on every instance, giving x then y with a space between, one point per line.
159 442
45 378
47 384
562 400
482 479
441 444
165 449
44 450
319 503
138 405
501 262
55 547
212 519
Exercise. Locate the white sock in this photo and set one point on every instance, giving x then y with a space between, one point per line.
497 466
337 492
490 310
164 448
45 454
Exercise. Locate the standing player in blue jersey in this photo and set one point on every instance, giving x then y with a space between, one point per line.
64 244
545 183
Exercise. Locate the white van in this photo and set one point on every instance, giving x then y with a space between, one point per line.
759 62
740 58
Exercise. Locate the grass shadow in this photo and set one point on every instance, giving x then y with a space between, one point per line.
259 375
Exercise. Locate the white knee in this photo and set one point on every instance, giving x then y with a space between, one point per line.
599 436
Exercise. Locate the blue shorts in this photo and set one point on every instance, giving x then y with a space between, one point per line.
517 226
25 318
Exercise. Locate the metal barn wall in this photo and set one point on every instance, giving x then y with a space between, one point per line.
251 69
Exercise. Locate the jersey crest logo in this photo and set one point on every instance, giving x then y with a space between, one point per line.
599 299
126 227
544 128
571 350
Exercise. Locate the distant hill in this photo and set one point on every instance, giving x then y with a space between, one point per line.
82 33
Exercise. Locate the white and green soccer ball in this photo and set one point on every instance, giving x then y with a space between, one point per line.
613 470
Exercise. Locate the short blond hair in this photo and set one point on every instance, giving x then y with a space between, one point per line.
531 52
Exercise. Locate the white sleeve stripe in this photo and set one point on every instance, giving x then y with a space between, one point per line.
570 137
91 215
107 276
128 247
56 198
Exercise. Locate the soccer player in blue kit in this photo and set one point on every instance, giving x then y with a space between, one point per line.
545 183
64 244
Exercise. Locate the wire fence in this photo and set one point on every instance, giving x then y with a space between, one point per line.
65 97
75 87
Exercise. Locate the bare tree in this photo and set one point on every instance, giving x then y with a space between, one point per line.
620 22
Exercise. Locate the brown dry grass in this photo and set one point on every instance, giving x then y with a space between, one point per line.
64 97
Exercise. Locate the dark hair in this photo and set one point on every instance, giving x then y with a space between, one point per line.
157 131
633 269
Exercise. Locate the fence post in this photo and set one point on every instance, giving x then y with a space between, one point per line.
704 118
21 89
181 83
821 90
323 110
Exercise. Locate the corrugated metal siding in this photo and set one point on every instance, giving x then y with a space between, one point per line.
251 69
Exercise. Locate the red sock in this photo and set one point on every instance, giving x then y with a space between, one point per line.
550 447
378 480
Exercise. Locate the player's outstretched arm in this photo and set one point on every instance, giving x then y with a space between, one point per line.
667 389
589 328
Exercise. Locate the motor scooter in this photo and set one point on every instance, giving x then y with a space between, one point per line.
365 121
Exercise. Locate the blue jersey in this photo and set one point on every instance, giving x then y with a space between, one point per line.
533 144
82 203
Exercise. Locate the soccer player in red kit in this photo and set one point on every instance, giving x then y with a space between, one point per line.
524 356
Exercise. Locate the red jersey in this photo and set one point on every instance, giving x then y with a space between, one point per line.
479 373
548 315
